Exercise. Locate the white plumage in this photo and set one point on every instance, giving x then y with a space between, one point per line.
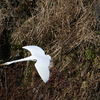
42 61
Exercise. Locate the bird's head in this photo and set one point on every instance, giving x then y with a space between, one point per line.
3 64
7 63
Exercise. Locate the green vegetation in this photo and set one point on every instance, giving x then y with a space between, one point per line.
90 54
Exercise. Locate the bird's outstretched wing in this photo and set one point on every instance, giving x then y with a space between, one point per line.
35 50
42 67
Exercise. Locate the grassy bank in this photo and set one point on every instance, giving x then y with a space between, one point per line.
69 31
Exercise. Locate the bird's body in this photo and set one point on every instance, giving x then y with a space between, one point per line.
42 61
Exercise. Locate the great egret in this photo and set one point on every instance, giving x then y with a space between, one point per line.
42 61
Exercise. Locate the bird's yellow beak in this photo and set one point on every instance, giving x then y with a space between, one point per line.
3 64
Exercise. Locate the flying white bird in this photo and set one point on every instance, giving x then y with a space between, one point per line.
42 61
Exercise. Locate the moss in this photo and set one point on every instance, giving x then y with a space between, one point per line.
90 54
23 6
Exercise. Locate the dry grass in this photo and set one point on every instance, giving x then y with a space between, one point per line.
66 24
65 29
59 27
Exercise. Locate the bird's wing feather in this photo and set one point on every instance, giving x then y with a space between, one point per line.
42 67
35 50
